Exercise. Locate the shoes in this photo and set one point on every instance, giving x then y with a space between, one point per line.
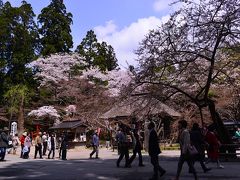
117 165
162 173
141 165
207 169
127 166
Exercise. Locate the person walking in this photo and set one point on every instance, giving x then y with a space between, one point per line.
123 147
154 151
16 143
22 139
45 143
137 147
64 145
38 145
51 146
27 146
197 140
213 146
3 143
95 145
184 140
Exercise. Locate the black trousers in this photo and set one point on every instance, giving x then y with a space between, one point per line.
3 153
156 167
64 154
189 160
38 148
95 150
44 148
51 151
135 152
22 146
123 152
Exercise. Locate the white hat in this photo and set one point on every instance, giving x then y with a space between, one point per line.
5 129
24 134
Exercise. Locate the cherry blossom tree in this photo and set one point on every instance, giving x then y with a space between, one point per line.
191 53
61 67
45 112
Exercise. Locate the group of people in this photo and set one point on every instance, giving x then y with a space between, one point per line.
200 138
42 143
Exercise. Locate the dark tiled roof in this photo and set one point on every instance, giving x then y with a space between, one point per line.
69 124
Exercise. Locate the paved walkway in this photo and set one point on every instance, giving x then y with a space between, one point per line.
79 166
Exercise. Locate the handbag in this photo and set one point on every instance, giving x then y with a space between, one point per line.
192 150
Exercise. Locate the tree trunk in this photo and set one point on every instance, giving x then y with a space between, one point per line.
21 117
223 134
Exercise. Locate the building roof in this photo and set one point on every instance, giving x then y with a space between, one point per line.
139 106
69 124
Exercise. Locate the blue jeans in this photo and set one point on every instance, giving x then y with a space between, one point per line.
2 153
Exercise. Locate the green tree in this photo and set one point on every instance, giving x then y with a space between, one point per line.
105 58
88 48
19 44
97 54
16 98
18 38
55 28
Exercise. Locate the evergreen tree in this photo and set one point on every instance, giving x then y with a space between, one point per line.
18 46
55 28
97 54
88 48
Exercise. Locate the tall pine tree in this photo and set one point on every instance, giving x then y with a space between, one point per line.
18 46
97 54
55 28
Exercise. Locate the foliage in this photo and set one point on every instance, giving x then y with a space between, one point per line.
190 52
57 68
14 96
97 54
18 43
55 28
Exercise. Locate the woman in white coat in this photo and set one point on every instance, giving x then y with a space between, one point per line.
51 146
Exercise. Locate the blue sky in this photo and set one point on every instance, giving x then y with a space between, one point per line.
121 23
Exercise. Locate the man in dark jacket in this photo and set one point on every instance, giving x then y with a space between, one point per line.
3 143
154 151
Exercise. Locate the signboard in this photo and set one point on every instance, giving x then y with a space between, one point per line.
13 128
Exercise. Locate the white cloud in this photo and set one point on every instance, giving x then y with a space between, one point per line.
160 5
167 6
106 30
126 40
